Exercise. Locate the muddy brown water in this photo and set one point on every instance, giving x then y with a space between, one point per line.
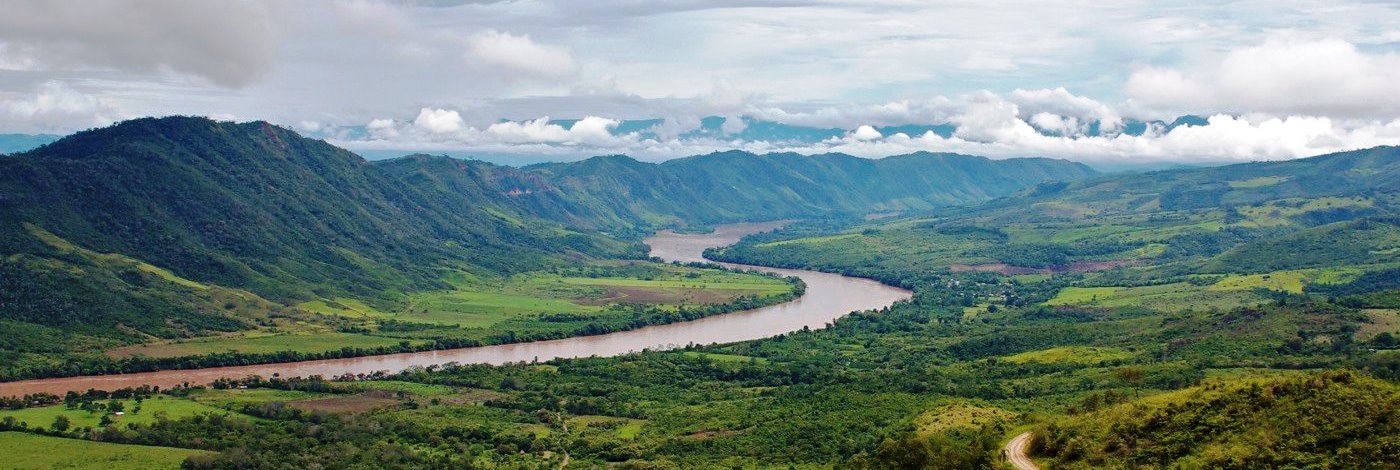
828 297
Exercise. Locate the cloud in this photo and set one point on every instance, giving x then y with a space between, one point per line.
1065 113
591 130
520 53
439 121
1283 75
866 133
985 123
227 43
381 129
733 124
893 113
55 106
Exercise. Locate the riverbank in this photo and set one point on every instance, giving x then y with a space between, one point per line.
827 297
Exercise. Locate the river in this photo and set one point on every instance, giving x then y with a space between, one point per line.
828 297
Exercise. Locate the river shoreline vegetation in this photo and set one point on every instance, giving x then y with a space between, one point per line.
1241 316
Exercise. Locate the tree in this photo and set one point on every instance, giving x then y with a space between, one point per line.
61 423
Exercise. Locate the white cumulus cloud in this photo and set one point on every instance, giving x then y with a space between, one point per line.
439 121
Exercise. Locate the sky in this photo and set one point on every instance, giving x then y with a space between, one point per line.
560 80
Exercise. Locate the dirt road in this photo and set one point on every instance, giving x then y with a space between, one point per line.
1016 452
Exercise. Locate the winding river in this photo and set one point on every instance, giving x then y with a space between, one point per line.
828 297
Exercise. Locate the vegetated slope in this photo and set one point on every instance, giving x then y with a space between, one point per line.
1358 172
90 224
1329 210
254 205
732 186
1335 419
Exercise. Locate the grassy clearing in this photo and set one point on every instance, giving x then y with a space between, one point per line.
476 302
1083 295
1259 182
1084 355
1286 281
957 415
1381 321
1163 297
228 398
258 343
755 284
630 430
173 408
24 451
471 308
343 307
811 240
60 244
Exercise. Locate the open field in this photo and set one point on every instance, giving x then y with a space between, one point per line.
23 451
1085 355
170 407
479 303
258 343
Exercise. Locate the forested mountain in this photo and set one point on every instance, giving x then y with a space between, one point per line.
1343 174
728 186
256 206
620 195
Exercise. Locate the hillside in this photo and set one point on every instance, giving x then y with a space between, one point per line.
186 236
256 206
730 186
1323 420
1329 210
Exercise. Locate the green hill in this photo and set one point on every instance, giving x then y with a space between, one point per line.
256 206
1320 420
731 186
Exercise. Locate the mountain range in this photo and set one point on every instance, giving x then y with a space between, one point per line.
120 229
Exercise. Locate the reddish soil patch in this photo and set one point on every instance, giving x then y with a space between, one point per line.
1075 267
351 404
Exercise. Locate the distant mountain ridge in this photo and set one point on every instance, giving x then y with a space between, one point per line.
14 143
256 206
735 185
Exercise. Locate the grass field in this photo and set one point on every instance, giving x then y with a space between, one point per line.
1071 354
1380 321
474 302
258 343
1163 297
1228 291
964 415
22 451
227 398
1083 295
173 408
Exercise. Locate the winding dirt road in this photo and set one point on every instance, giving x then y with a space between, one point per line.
1016 452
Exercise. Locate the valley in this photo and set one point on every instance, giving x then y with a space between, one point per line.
423 313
